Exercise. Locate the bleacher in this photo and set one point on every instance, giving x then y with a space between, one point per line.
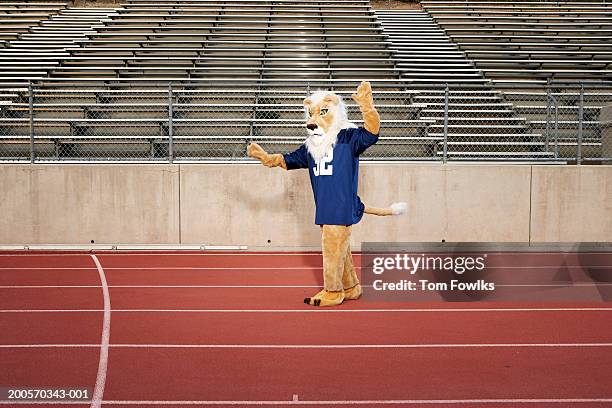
481 124
523 46
16 17
248 39
44 46
207 123
530 40
238 71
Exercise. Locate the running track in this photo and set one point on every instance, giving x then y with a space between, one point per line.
231 330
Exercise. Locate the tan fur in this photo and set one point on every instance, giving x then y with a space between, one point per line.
340 281
325 122
326 112
349 276
353 293
326 298
335 242
339 275
329 124
378 211
269 160
371 118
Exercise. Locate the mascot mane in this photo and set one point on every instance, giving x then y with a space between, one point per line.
319 145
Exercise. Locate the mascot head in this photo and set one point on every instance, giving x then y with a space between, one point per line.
325 117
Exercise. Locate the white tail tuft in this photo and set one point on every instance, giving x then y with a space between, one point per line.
399 208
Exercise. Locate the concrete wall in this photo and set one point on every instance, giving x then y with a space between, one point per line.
251 205
248 205
454 203
77 204
571 204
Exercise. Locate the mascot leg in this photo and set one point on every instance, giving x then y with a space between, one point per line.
350 281
335 242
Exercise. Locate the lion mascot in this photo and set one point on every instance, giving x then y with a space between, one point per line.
331 155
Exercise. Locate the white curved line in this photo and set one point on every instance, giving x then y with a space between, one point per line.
98 394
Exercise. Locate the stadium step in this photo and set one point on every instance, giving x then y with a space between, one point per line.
240 70
54 35
559 40
478 111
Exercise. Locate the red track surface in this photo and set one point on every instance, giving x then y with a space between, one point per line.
232 327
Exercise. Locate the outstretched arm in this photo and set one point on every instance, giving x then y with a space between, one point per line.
363 97
269 160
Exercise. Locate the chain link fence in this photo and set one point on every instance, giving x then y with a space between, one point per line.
179 122
569 122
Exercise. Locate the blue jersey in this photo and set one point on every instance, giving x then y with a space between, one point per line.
334 178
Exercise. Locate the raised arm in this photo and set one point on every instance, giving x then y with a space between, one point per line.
269 160
363 97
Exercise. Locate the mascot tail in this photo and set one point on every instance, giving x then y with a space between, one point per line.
393 209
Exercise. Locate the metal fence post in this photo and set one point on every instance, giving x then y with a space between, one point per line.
170 126
580 124
548 114
556 127
445 146
31 120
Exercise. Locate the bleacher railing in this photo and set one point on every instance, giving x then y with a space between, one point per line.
560 122
187 122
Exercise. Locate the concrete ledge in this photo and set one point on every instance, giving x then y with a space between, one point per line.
571 203
77 204
228 205
447 202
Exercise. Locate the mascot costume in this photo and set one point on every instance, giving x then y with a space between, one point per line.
331 155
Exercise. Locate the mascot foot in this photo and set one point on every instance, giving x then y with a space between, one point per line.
353 293
326 298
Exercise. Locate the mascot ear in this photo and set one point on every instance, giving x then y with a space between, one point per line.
307 103
331 98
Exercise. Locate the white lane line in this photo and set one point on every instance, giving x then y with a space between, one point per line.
275 268
161 253
178 268
272 268
43 268
511 402
568 285
556 285
159 286
313 310
315 346
158 252
98 394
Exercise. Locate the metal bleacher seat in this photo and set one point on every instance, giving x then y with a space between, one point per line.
33 54
147 39
524 46
18 16
530 40
239 69
481 123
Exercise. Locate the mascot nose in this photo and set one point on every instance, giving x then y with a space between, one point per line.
312 126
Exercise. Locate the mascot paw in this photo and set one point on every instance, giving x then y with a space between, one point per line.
250 148
353 293
325 298
363 96
254 150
